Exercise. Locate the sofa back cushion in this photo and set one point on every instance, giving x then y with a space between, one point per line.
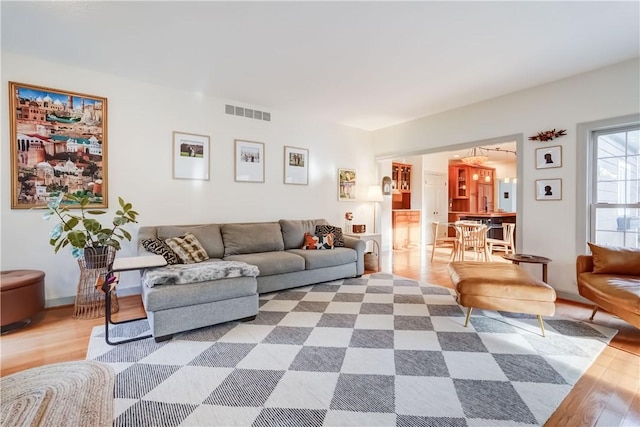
249 238
293 231
207 234
615 260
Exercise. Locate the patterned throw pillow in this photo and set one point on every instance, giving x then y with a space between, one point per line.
318 241
159 247
188 248
338 238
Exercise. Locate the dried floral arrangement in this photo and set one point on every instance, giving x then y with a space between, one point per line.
548 135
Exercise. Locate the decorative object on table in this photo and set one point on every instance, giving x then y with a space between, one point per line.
348 218
374 195
415 364
359 228
190 156
386 186
93 244
549 157
548 135
296 165
56 134
549 189
346 185
249 161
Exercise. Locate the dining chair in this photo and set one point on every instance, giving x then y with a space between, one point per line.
440 241
507 244
473 237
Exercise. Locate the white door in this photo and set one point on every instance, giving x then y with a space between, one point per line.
435 203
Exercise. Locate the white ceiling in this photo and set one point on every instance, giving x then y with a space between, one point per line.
363 64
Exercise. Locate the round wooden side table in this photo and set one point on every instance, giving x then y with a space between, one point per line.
532 259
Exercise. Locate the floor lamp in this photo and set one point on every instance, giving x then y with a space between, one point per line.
374 194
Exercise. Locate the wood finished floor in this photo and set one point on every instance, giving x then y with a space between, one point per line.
608 394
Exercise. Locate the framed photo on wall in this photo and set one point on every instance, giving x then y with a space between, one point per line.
296 165
346 185
386 186
249 161
549 189
190 156
58 144
549 157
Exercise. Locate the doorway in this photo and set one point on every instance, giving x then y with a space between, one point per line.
435 203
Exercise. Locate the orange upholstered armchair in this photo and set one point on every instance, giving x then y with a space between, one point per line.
610 277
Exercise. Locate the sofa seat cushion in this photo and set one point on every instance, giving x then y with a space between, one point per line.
618 290
248 238
163 297
270 263
322 259
180 274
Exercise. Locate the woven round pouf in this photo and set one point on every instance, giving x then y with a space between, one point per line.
21 297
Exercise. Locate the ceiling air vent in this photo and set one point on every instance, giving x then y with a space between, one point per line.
247 112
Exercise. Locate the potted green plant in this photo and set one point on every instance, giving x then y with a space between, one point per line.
87 236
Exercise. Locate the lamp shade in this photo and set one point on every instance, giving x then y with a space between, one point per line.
374 193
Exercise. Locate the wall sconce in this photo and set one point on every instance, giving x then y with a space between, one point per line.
487 178
475 176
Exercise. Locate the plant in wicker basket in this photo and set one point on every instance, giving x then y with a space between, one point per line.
85 234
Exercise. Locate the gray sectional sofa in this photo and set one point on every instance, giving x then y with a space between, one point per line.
273 247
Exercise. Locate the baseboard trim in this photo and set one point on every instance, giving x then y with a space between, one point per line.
58 302
573 297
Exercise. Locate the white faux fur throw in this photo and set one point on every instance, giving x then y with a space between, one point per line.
178 274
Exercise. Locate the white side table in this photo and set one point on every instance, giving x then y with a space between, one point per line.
373 237
126 264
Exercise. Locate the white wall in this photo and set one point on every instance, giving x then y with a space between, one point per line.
547 227
141 119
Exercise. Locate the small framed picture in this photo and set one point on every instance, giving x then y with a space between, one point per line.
249 161
549 157
296 165
346 185
190 156
386 186
549 189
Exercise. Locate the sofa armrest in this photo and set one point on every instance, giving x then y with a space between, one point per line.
584 264
359 246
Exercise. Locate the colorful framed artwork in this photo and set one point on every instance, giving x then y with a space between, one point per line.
190 156
549 157
249 161
296 165
549 189
58 144
346 185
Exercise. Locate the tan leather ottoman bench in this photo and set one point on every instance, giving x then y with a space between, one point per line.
501 286
21 297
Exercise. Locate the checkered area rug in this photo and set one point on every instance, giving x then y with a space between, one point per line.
380 350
